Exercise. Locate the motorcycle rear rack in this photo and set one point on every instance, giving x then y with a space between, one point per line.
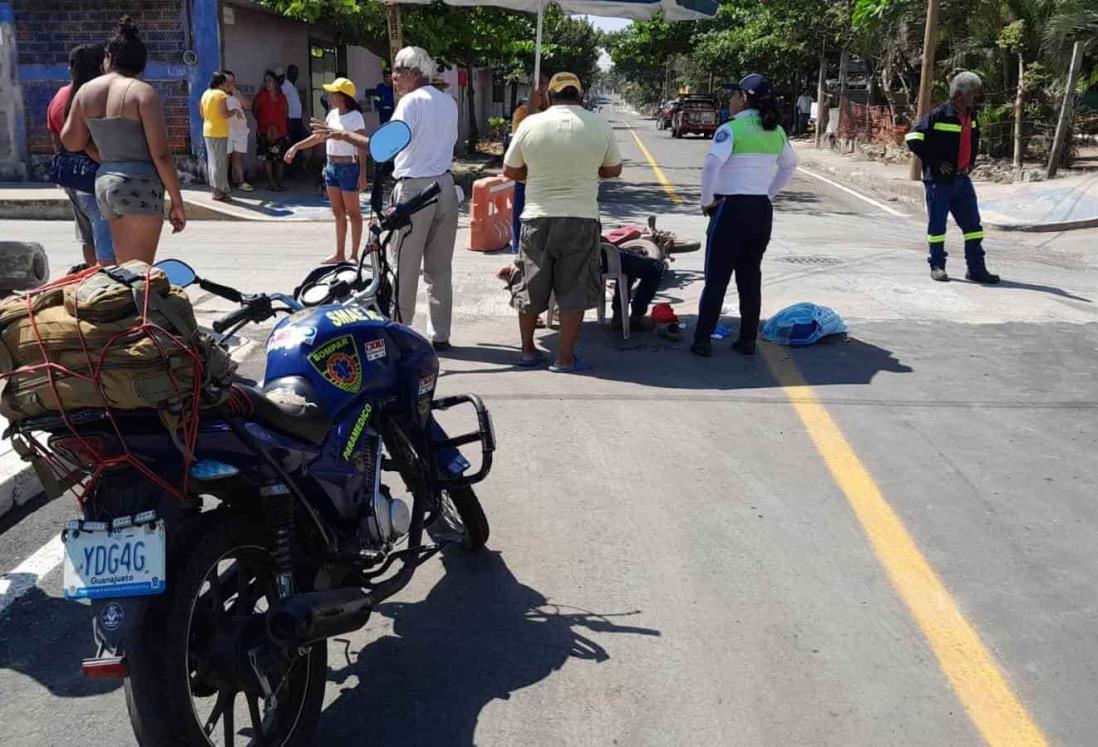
485 435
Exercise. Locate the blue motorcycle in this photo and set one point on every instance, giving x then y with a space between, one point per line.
216 609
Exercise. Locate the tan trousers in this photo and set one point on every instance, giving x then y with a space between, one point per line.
428 244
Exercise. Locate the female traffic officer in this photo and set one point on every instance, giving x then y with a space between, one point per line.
749 162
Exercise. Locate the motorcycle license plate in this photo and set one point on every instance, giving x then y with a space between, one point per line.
126 562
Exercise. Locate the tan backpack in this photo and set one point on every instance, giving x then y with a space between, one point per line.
118 337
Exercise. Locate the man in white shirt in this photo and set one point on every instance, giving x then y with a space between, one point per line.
294 111
432 117
560 153
804 112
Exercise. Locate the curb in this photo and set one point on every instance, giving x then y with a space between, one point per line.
18 482
913 194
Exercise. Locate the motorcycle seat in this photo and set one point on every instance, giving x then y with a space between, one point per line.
289 405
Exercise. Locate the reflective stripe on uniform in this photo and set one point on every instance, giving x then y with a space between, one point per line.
915 136
974 235
936 238
947 127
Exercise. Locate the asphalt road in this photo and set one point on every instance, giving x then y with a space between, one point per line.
883 541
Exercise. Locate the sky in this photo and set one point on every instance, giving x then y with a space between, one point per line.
607 24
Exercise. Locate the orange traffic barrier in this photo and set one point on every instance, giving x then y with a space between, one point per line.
490 214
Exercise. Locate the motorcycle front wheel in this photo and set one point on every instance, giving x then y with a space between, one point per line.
209 674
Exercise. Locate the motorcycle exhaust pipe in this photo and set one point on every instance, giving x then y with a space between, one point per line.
306 618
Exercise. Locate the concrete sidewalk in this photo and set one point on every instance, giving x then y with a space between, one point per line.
1058 205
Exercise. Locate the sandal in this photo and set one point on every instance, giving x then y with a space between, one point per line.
577 366
534 362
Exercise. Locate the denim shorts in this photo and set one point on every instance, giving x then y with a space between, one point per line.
342 175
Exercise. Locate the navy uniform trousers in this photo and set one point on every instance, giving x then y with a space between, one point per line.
739 232
959 198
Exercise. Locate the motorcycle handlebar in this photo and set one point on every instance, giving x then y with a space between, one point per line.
231 294
400 214
242 314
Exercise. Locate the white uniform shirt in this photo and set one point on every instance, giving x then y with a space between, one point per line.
433 118
748 170
351 121
293 100
804 104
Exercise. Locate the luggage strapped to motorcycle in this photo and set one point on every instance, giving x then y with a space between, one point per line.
181 419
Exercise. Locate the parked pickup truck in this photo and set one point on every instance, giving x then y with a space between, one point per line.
697 114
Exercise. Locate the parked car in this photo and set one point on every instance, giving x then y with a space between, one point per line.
666 112
697 114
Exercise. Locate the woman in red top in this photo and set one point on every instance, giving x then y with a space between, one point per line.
271 137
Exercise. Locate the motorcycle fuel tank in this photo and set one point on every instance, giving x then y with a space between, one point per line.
349 353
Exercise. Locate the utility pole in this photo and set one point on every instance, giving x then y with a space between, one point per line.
844 64
396 32
1065 110
822 109
926 77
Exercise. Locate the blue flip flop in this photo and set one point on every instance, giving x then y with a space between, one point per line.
534 362
577 366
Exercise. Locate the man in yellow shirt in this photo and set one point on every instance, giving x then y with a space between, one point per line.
562 153
215 130
539 102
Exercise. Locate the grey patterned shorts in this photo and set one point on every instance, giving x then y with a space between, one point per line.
128 188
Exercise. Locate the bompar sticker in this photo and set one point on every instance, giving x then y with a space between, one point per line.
339 364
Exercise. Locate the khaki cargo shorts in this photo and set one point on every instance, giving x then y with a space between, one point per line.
557 256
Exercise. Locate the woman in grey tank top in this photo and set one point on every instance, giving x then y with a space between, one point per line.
122 118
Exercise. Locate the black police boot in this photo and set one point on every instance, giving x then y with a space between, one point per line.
744 347
978 273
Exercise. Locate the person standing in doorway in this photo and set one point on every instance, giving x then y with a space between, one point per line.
804 113
560 154
432 117
947 140
384 100
538 102
92 229
749 162
124 119
295 112
345 174
271 134
237 104
215 129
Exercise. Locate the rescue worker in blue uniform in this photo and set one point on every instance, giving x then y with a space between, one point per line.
947 140
749 162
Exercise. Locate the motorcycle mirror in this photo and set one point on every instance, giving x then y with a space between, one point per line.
179 273
389 140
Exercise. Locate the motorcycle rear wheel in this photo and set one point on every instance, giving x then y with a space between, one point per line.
210 616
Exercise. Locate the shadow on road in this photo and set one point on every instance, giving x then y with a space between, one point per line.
479 636
650 360
46 638
1050 289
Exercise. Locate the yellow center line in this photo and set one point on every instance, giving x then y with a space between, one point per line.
971 669
660 176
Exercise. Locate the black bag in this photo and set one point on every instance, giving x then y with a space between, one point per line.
74 170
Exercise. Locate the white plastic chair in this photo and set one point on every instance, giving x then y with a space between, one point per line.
621 283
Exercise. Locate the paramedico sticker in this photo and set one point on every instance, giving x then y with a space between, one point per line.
375 349
338 362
